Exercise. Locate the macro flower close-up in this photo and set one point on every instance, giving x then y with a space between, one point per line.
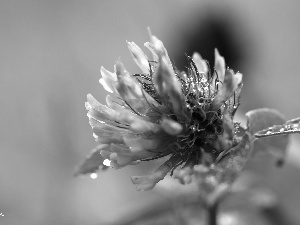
159 111
106 121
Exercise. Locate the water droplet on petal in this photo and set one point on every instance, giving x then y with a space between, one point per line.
106 162
204 80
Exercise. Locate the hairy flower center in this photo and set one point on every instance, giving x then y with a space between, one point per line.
205 127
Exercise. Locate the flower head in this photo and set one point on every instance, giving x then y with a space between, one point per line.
185 116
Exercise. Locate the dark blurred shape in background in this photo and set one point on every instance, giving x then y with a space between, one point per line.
215 30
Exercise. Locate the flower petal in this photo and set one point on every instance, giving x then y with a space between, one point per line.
101 128
230 84
219 65
121 155
234 101
93 162
136 122
114 103
169 88
98 111
152 50
142 126
108 80
119 148
140 144
145 183
139 57
132 93
200 63
126 158
170 126
165 81
127 86
160 49
106 137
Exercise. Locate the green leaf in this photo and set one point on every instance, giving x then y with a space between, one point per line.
92 163
260 119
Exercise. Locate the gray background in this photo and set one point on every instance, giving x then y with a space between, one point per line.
50 55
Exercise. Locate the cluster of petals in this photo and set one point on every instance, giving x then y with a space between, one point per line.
185 117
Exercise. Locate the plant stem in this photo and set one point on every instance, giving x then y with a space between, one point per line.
212 210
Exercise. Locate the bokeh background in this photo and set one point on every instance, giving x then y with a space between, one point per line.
50 56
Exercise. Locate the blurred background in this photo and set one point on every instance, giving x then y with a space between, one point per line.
50 56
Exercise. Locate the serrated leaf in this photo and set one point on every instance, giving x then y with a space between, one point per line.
260 119
92 163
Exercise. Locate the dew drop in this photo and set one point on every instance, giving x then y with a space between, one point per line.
295 126
203 80
106 162
94 175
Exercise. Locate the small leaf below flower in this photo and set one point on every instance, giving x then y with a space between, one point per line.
260 119
92 163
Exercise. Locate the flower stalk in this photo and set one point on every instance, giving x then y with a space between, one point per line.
212 210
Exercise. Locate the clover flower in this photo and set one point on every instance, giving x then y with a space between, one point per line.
184 116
